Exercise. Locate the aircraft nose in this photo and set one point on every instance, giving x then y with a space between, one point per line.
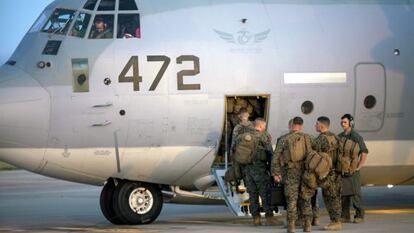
24 118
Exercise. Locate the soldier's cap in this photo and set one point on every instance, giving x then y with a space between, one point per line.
243 110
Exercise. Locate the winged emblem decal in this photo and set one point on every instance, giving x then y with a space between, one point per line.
243 37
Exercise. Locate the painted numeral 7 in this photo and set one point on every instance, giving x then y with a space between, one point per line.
164 67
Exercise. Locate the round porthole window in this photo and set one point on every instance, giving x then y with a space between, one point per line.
307 107
370 102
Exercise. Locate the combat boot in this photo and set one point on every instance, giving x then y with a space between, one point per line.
333 226
315 221
291 227
272 221
358 220
299 222
257 221
307 226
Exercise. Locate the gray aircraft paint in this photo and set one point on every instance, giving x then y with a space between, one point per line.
170 136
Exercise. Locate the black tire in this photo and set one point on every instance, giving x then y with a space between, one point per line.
106 203
143 213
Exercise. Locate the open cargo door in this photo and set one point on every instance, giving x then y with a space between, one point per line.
237 199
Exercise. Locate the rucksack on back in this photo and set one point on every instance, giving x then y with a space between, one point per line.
245 148
348 161
296 147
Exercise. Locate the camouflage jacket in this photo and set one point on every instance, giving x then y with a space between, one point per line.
321 144
278 161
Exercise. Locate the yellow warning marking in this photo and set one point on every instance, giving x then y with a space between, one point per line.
392 211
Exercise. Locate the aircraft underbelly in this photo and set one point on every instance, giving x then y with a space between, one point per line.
180 165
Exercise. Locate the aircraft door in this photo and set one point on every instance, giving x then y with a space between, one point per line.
237 199
370 96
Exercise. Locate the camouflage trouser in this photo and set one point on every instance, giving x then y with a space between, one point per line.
315 207
331 192
292 180
257 182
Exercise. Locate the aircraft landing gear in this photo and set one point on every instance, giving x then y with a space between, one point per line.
131 202
106 203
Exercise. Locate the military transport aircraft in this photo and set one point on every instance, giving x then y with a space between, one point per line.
140 96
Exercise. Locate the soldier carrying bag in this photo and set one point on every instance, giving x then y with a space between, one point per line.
319 163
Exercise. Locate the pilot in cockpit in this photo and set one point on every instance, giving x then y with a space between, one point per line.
128 26
101 30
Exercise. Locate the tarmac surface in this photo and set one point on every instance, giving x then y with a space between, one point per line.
33 203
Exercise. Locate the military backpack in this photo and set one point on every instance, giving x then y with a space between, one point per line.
245 148
233 174
348 162
296 147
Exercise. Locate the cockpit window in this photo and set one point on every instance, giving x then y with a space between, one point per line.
90 5
107 5
37 26
59 21
125 5
102 27
81 24
129 26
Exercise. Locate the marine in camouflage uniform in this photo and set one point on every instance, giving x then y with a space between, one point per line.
291 174
257 178
314 199
331 184
243 126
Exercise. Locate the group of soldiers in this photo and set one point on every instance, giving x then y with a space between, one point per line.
291 165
